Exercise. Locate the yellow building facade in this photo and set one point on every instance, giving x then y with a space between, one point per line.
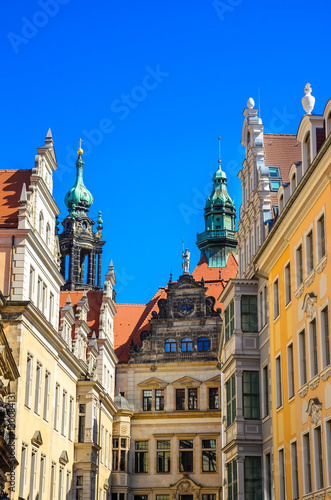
295 260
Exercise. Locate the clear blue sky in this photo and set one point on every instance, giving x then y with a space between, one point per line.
154 83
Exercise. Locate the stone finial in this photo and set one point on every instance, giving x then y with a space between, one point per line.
308 101
250 103
49 138
23 197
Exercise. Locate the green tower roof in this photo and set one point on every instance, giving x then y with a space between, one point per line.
79 196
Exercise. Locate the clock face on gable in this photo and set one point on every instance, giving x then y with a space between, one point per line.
186 308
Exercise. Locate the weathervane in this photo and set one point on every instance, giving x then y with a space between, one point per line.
219 152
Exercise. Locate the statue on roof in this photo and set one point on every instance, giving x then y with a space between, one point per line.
186 261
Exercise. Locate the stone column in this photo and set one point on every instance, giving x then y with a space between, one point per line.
239 395
71 263
82 270
99 269
93 268
90 269
241 477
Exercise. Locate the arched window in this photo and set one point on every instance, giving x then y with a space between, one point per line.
41 223
203 344
170 345
48 234
281 203
187 344
293 184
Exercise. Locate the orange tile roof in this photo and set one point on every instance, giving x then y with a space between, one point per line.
132 319
94 300
11 183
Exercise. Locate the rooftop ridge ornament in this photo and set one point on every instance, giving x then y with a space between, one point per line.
308 101
79 150
219 153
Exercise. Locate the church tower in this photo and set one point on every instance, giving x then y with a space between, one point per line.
217 242
81 248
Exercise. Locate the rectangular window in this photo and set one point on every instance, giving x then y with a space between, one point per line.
298 265
147 400
253 478
309 252
279 389
37 399
61 483
321 247
213 398
209 455
115 453
232 480
229 321
313 349
268 476
57 407
42 478
81 423
31 283
140 497
274 172
79 488
159 399
53 481
281 467
44 299
23 471
33 473
328 448
249 313
294 470
325 337
162 497
64 413
318 458
180 399
306 463
39 292
71 417
290 371
266 305
231 400
192 399
287 283
163 456
274 185
186 456
28 380
47 389
122 460
265 375
51 306
276 298
106 442
251 395
141 456
261 309
302 358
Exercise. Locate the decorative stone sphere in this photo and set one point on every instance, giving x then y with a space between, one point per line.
308 101
250 103
80 151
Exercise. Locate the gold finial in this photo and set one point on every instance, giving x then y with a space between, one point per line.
219 152
80 151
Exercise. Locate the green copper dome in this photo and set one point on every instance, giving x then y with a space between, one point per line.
79 196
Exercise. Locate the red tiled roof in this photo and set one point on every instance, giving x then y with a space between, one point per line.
94 300
281 151
11 183
132 319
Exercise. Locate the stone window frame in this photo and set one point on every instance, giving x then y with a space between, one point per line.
318 256
186 383
282 478
294 468
152 385
276 298
287 283
297 269
308 268
322 336
213 383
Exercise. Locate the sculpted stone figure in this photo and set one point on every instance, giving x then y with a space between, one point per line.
186 261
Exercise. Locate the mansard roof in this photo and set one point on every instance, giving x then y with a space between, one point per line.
132 319
11 183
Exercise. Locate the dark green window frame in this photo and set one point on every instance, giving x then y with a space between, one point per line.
253 478
229 321
249 321
232 480
231 400
251 394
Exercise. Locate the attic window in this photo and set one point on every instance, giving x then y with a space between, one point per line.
274 185
274 172
275 179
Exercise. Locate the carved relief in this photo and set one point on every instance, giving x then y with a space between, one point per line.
314 382
314 411
124 429
309 305
303 391
184 487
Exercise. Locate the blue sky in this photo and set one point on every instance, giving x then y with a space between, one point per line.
149 86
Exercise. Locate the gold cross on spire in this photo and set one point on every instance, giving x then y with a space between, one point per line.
80 151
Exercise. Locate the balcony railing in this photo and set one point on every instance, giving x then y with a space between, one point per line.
222 233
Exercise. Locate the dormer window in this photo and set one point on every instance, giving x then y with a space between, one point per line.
275 179
293 183
306 150
281 203
41 223
48 234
